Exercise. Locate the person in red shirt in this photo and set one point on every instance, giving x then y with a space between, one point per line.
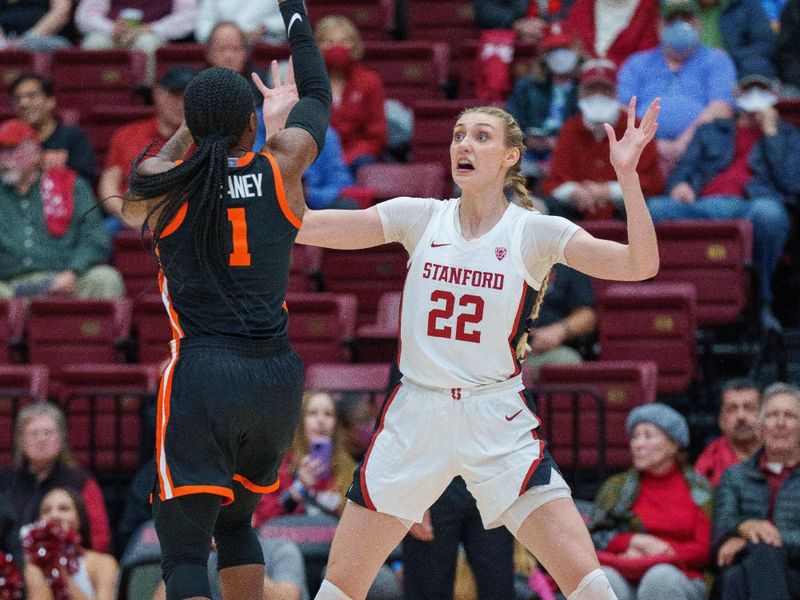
357 113
581 183
738 422
652 523
129 140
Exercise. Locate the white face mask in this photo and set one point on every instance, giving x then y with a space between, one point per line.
755 100
599 109
561 61
10 177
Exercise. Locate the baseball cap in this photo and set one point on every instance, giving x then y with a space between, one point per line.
673 7
177 77
14 131
600 70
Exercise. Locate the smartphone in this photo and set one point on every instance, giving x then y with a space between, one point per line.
322 450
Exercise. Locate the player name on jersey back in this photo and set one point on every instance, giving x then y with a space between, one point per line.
244 186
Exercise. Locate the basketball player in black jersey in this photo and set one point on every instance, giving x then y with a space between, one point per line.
224 222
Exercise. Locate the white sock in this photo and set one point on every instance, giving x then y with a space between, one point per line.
594 586
328 591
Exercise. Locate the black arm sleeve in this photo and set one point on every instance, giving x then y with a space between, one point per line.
313 111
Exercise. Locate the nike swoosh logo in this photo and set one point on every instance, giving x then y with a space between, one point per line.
295 17
514 416
435 245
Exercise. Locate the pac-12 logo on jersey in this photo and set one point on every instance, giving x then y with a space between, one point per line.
500 253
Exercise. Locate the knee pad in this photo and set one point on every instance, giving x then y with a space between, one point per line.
328 591
237 547
187 580
593 586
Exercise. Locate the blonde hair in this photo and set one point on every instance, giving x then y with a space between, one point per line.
31 412
337 22
514 138
342 464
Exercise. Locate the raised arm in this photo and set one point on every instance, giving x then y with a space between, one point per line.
638 259
342 229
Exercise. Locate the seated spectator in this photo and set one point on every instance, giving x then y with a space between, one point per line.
788 55
652 523
528 18
227 47
542 101
43 461
695 82
53 237
756 533
581 183
566 317
142 25
738 421
96 578
741 28
742 168
327 176
614 29
64 146
260 21
357 113
128 141
356 417
316 471
35 26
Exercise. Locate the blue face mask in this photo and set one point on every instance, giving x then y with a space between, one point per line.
679 36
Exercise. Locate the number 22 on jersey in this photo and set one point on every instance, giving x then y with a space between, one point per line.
470 313
240 257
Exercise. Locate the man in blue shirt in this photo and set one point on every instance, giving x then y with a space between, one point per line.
695 82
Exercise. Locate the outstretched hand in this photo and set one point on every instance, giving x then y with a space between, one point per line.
625 152
279 99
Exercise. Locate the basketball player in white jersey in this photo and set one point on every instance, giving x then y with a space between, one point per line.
460 408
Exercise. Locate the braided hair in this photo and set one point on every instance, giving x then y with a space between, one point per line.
218 105
515 180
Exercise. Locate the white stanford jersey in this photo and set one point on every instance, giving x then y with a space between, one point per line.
463 299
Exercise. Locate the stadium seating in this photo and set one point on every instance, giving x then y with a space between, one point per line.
12 328
190 55
134 260
153 331
651 321
322 325
571 417
410 71
377 342
371 379
366 273
96 77
446 20
373 18
64 331
304 269
19 386
100 123
389 180
464 63
789 109
104 405
12 64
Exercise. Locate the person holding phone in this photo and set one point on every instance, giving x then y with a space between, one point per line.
316 471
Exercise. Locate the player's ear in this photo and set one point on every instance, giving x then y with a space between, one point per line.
252 123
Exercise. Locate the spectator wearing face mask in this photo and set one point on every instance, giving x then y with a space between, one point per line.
582 183
742 168
614 29
543 101
695 82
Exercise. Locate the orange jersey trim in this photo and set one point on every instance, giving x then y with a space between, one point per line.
281 193
166 487
245 159
258 489
216 490
176 222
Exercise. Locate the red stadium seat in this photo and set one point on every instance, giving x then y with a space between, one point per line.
622 385
613 230
96 77
410 71
189 55
304 269
714 255
13 63
366 273
104 405
12 327
134 259
445 20
789 109
100 123
153 331
322 325
263 54
377 342
389 180
19 385
369 378
65 331
372 18
651 321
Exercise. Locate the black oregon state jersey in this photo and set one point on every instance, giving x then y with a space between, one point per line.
261 230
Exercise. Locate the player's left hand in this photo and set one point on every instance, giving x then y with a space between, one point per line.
625 152
279 99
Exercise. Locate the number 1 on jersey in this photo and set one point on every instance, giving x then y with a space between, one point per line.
240 257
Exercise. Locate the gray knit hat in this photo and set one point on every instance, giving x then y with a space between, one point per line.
666 418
